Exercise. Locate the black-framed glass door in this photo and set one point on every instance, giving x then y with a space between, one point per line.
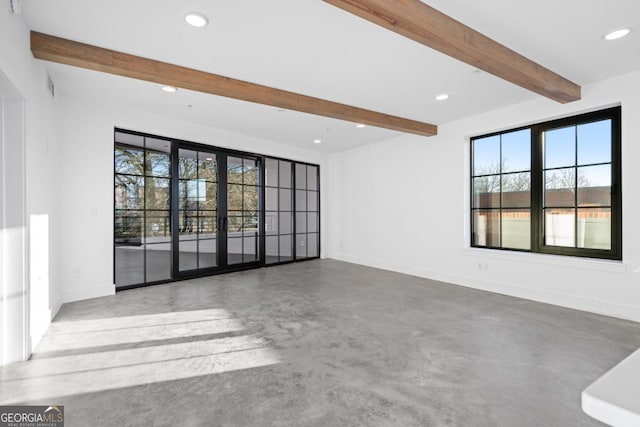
196 243
218 221
242 220
183 210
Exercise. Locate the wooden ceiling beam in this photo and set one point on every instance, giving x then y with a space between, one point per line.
63 51
430 27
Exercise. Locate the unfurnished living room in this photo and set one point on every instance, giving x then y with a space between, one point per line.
319 213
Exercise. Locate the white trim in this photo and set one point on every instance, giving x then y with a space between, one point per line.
554 298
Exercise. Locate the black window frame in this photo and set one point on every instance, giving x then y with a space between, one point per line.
537 186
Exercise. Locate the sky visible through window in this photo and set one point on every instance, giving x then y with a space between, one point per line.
593 147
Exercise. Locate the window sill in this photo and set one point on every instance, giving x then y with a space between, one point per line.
552 260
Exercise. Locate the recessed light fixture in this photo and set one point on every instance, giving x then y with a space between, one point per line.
442 97
617 34
169 89
360 126
196 19
317 141
208 159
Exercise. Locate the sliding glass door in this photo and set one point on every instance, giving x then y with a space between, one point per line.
242 223
198 220
185 210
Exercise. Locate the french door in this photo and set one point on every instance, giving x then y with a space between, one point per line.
217 198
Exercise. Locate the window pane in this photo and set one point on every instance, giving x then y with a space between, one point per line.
312 222
250 198
207 167
516 190
158 164
516 151
301 176
158 262
559 227
157 227
285 174
234 251
128 161
312 201
486 155
187 164
560 187
486 192
594 228
301 222
312 178
234 224
594 185
312 245
516 229
271 202
208 200
486 228
271 249
250 172
234 170
285 223
207 226
187 223
188 194
128 227
157 193
301 200
207 256
250 249
129 192
594 142
271 172
285 200
286 245
130 265
250 223
301 246
560 147
271 223
130 139
188 255
234 197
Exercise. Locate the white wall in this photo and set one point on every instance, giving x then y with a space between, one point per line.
403 205
34 130
85 193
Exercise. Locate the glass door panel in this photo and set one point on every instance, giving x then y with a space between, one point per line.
243 220
197 210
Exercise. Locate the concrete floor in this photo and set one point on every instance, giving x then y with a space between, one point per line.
319 343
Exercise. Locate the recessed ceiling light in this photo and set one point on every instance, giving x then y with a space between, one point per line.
617 34
442 97
169 89
196 19
360 126
317 141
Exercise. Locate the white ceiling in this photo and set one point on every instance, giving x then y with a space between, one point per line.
313 48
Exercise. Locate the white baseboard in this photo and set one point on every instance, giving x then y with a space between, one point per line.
576 302
78 294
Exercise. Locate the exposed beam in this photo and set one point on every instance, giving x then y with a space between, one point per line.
430 27
70 52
